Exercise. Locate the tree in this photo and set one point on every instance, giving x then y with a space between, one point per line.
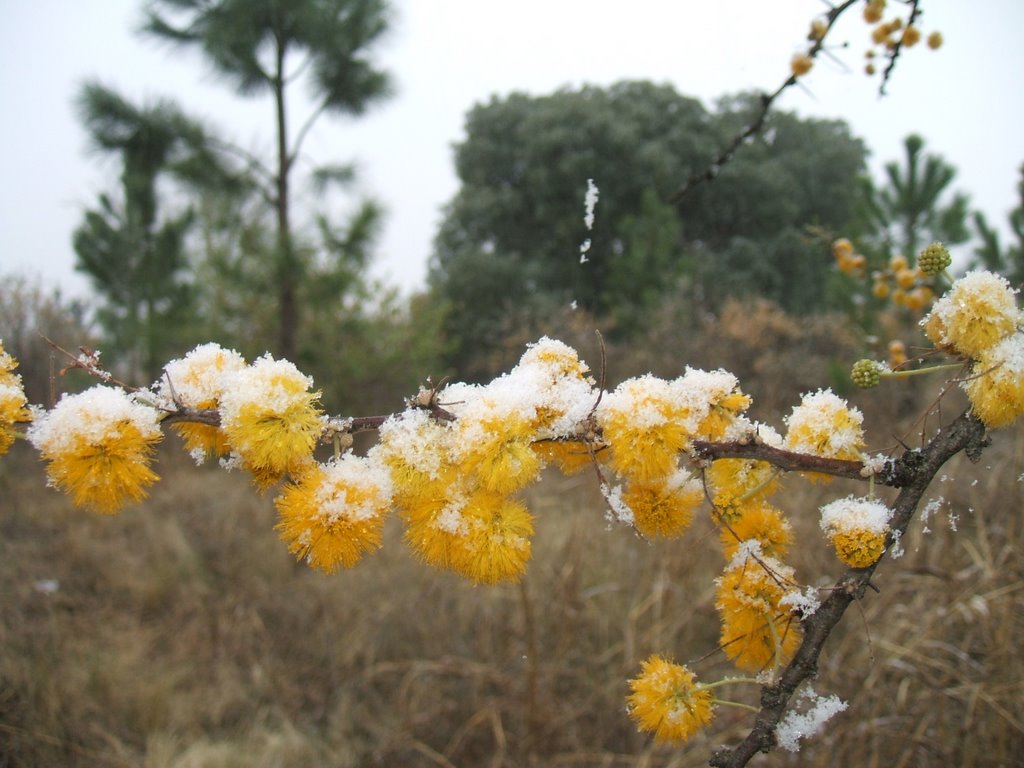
508 249
254 44
909 212
134 256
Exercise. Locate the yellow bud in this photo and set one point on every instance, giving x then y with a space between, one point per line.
906 277
842 247
800 64
935 40
911 36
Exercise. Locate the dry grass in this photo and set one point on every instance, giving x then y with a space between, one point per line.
182 635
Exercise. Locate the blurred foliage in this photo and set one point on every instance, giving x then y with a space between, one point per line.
131 248
29 314
509 245
264 47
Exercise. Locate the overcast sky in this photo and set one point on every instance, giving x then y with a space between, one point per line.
445 55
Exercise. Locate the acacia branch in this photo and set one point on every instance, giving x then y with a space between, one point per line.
755 126
919 467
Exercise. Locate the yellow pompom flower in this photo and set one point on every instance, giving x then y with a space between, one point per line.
800 64
714 399
269 416
13 403
996 385
434 526
334 514
498 453
664 507
555 384
857 528
759 521
416 449
665 699
825 425
757 631
645 423
99 445
976 313
197 381
935 40
570 456
911 36
496 543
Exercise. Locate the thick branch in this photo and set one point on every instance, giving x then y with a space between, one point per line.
967 434
790 460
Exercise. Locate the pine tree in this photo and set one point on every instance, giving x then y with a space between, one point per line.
256 45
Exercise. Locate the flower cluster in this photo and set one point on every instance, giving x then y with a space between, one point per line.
455 481
648 424
979 319
13 403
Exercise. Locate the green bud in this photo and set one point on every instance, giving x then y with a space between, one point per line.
866 373
934 259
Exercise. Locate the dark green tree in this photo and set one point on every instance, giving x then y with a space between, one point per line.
507 253
264 47
134 256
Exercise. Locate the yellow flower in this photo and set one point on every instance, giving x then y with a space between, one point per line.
857 528
800 64
757 631
996 385
335 513
979 311
570 456
664 507
497 539
645 423
99 444
667 700
742 479
760 521
552 383
13 410
197 381
824 425
269 416
498 453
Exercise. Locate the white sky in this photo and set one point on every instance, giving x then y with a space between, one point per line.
446 55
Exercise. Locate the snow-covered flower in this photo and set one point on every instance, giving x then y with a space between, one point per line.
996 386
665 699
197 381
270 417
977 312
99 445
13 403
825 425
857 528
334 513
